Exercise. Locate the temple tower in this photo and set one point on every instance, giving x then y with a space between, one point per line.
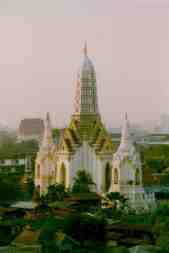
45 167
125 138
84 144
47 141
127 170
86 101
86 110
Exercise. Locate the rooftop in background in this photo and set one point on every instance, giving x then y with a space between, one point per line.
30 129
27 237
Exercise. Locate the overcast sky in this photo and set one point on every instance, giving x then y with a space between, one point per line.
41 45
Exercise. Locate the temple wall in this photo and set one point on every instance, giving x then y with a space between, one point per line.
85 159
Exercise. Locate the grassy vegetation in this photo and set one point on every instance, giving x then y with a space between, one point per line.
155 157
9 148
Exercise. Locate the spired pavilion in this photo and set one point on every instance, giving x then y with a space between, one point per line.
86 145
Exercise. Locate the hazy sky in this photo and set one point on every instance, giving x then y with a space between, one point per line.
40 51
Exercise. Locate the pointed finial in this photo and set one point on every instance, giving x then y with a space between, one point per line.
125 130
47 136
47 117
85 48
126 117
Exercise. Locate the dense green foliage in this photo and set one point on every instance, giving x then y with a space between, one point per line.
84 227
12 183
56 133
14 188
116 196
9 191
55 193
82 182
155 157
75 233
84 230
161 225
9 148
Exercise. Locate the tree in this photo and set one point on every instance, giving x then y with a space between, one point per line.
56 193
56 133
36 195
155 157
82 182
84 227
9 192
165 179
115 198
160 221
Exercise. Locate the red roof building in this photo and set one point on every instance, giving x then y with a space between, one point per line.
30 129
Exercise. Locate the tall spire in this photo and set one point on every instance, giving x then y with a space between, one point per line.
47 141
125 130
86 87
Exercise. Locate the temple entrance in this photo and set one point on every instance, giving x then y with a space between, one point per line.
108 176
38 171
56 174
36 193
63 174
116 176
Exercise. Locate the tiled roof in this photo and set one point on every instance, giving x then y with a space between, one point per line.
31 127
27 237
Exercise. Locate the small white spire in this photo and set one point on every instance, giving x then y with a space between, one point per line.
48 118
126 116
125 130
47 137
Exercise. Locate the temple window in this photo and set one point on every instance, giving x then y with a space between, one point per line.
53 174
38 171
108 176
116 176
63 174
56 172
50 180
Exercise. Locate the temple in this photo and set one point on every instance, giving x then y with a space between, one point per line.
127 171
86 145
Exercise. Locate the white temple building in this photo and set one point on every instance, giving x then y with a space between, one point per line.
127 171
86 145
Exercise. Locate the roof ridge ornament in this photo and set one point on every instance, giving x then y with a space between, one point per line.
47 140
125 130
126 116
85 48
47 117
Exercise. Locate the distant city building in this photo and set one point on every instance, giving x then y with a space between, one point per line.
136 131
115 130
163 125
164 121
12 165
30 129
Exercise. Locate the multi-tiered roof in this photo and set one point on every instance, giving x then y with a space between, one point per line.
86 122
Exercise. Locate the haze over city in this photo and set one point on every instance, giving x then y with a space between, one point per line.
41 48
